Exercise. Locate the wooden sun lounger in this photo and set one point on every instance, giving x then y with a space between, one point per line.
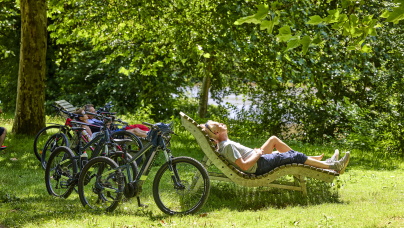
232 174
66 106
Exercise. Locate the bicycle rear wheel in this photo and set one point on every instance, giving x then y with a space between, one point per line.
100 185
43 135
122 158
54 141
60 172
183 190
130 147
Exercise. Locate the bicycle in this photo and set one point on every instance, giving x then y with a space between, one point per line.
63 166
43 136
180 186
70 136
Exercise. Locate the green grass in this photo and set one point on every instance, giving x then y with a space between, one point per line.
369 194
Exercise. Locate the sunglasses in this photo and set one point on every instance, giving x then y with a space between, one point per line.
207 126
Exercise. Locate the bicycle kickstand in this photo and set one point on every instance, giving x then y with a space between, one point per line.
139 203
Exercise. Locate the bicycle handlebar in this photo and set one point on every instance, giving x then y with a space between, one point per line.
148 124
160 126
122 122
106 108
102 114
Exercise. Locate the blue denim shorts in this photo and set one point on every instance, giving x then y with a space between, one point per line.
268 162
1 131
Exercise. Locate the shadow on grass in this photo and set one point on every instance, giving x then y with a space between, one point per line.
233 197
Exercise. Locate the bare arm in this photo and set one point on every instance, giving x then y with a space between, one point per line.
250 161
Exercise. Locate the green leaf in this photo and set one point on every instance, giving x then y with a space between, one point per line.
293 43
317 40
397 15
315 20
249 19
284 34
366 48
305 41
124 71
385 14
268 25
337 26
353 20
256 18
333 16
346 99
52 27
262 11
206 55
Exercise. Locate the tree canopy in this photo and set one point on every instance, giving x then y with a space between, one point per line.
314 70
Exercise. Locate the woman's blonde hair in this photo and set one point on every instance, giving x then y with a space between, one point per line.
79 112
206 128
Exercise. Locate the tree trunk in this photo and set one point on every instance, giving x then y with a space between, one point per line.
30 113
204 95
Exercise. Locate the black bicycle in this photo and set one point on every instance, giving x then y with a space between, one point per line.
55 135
180 186
64 164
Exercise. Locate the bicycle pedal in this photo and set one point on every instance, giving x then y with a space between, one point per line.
64 184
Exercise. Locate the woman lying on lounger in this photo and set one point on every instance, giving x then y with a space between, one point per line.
262 160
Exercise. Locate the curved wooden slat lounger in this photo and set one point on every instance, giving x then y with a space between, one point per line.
66 106
232 174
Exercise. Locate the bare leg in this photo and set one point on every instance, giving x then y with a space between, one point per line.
316 163
318 157
275 143
138 132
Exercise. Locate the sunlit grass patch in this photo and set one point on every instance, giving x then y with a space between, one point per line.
371 192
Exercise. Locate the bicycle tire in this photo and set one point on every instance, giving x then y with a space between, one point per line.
190 195
54 141
100 187
60 172
132 147
122 158
42 136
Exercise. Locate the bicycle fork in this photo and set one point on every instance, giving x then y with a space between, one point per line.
174 173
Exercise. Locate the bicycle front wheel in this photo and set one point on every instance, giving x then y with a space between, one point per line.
184 190
100 185
60 172
54 141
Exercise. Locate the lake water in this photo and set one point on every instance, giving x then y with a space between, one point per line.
239 101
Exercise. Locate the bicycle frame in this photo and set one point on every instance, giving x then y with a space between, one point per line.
156 142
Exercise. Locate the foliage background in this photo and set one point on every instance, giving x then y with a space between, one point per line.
346 86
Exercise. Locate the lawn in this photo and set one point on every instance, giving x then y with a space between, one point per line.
369 194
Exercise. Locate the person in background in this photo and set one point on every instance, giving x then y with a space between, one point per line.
137 129
3 133
83 117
